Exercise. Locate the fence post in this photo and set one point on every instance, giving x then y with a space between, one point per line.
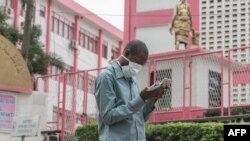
85 92
229 82
73 102
222 83
190 85
184 85
63 106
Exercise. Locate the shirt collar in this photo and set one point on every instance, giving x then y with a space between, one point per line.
118 70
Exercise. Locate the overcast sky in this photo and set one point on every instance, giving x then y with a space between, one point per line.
110 10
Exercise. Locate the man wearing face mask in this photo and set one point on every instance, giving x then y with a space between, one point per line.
123 109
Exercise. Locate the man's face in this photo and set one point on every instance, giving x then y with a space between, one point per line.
138 58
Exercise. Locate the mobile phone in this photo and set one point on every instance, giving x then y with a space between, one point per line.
166 79
158 84
155 85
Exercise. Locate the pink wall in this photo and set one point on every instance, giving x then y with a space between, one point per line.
195 12
241 77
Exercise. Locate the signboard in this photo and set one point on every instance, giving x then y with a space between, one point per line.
7 112
25 126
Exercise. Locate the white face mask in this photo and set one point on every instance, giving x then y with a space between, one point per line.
131 69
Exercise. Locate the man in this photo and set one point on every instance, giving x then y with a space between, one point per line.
122 107
182 24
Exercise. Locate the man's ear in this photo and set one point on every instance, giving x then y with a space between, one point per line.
126 52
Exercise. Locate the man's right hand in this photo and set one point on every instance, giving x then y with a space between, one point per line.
155 93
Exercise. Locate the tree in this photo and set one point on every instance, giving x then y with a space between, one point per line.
37 60
27 27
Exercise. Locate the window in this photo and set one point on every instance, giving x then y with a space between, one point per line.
60 31
235 100
105 49
81 39
42 11
243 100
165 103
55 25
70 33
62 27
66 30
214 85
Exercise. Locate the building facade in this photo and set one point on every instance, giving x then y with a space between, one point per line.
84 41
67 26
223 26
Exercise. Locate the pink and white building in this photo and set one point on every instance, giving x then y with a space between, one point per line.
223 26
83 40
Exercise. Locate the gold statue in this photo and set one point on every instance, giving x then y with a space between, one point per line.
182 24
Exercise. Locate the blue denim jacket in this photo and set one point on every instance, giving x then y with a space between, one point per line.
122 112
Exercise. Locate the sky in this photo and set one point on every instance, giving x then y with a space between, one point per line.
110 10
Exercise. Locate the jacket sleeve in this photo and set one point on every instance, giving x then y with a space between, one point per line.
148 108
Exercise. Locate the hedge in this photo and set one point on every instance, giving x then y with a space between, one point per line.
234 111
166 132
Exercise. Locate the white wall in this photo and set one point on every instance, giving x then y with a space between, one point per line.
150 5
28 104
53 99
157 38
201 67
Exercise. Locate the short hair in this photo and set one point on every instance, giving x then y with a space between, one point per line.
136 47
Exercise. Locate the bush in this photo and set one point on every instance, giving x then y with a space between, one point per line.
166 132
88 132
234 111
185 132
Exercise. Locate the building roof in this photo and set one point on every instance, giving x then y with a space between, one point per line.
77 8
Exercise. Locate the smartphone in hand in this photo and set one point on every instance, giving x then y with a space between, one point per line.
158 84
155 85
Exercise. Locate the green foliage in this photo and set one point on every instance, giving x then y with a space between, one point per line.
7 31
166 132
55 60
185 132
37 60
3 17
240 110
36 32
11 33
234 111
88 132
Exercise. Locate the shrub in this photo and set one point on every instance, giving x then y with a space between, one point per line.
166 132
88 132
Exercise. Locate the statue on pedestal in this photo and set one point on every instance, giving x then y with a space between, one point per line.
181 25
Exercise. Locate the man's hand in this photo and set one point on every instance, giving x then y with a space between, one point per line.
157 92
